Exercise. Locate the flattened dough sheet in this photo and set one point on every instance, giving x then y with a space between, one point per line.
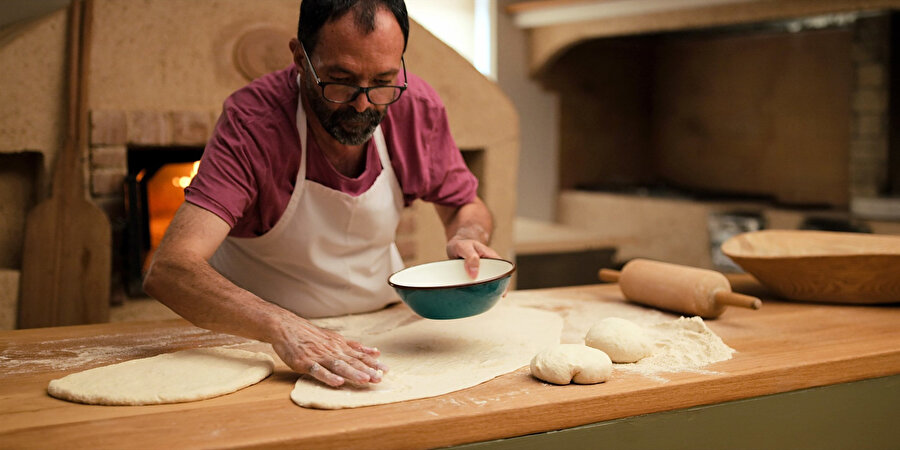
182 376
433 357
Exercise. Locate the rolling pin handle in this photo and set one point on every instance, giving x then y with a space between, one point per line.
735 299
609 275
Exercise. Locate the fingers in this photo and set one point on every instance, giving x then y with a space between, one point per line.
357 371
336 371
473 261
328 357
353 371
362 348
487 252
322 374
367 356
471 251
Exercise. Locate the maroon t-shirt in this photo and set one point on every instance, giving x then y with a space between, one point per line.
250 164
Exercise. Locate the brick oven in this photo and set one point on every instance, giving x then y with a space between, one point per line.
160 70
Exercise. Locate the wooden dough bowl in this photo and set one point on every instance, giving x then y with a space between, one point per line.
821 266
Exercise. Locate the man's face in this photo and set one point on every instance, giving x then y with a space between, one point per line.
346 54
342 121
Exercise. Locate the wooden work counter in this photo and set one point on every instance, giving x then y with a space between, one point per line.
782 347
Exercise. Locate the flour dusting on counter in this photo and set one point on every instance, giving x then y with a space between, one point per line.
85 352
682 345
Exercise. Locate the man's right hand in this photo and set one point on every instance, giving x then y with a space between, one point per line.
326 355
181 277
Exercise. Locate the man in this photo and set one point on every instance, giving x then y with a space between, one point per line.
299 192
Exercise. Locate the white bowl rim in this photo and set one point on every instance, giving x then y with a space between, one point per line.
512 268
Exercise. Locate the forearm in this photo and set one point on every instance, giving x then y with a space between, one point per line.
468 229
182 279
470 221
193 289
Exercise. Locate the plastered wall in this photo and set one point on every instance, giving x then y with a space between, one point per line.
138 65
756 113
155 61
32 56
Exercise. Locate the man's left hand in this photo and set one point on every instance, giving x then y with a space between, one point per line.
470 250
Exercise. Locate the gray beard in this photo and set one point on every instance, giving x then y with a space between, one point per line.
364 123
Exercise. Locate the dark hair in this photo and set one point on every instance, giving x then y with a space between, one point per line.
316 13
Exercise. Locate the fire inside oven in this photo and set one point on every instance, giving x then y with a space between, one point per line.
154 189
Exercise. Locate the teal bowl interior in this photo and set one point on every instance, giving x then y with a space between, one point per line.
443 289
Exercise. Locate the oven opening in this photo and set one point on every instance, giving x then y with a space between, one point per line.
154 189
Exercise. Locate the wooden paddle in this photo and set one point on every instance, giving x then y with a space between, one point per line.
66 261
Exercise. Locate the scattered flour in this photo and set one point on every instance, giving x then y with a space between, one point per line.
85 352
681 345
582 310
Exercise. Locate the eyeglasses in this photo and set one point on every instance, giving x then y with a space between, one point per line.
346 93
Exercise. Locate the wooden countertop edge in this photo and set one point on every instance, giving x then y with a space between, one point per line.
508 406
543 418
497 421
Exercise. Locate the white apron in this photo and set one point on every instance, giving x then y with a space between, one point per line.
330 253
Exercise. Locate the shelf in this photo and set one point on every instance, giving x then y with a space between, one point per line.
540 237
554 26
549 13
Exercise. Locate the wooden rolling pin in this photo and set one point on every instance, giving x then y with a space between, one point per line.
682 289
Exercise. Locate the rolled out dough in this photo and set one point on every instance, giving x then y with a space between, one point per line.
429 357
182 376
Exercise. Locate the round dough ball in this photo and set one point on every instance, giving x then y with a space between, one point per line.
566 363
623 340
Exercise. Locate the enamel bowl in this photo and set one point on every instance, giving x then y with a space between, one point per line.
443 289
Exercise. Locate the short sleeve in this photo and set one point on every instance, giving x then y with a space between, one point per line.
224 183
452 183
424 155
